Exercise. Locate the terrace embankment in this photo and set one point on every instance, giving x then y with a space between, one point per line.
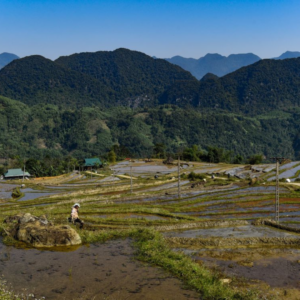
207 224
232 242
276 225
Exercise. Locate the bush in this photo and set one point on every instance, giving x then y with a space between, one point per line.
16 193
193 176
255 159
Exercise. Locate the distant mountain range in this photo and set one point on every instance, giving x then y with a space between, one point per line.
134 79
289 54
220 65
6 58
215 64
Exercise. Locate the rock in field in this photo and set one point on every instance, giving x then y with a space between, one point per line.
39 232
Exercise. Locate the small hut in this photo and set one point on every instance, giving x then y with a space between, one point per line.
90 163
16 174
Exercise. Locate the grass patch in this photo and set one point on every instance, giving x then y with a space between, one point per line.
152 248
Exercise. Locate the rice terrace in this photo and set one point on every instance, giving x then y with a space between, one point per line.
148 235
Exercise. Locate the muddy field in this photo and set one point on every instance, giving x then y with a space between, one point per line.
93 272
109 270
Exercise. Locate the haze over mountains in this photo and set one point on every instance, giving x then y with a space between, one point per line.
220 65
6 58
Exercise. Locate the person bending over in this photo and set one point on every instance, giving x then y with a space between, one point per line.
74 215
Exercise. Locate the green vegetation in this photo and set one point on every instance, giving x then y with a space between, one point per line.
85 104
50 135
102 79
16 194
153 249
257 89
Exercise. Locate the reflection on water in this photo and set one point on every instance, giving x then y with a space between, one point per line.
94 272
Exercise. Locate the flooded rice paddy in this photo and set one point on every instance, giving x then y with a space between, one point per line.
109 271
237 231
95 272
277 267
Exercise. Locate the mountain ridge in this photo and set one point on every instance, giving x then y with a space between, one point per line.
220 65
120 77
6 58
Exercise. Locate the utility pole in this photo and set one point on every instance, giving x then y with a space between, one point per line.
278 161
130 179
23 170
179 193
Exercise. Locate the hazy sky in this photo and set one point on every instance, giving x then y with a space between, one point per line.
162 28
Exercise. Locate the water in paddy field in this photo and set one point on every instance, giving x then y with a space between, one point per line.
236 231
287 174
277 267
102 271
6 190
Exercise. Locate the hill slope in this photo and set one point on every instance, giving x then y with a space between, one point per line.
130 74
102 78
35 79
6 58
255 89
46 129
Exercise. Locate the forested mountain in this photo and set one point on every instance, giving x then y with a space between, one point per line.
84 104
6 58
214 63
133 79
35 79
130 74
101 78
256 89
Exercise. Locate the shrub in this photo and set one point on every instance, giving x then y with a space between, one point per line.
193 176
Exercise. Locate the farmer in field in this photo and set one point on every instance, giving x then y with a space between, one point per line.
74 215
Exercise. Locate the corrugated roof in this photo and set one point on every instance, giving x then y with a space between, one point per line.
91 162
15 173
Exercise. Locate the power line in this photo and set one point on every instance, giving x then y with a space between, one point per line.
179 192
279 160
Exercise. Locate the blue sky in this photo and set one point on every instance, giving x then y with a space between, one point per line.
162 28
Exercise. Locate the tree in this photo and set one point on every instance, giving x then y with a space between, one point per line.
238 159
112 156
159 150
255 159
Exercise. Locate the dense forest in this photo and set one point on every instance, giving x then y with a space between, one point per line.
90 103
36 131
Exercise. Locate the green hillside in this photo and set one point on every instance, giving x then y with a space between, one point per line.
36 131
83 105
130 74
35 79
259 88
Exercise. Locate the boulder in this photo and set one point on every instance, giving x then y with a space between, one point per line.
39 232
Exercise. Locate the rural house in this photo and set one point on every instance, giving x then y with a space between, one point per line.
90 163
16 174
